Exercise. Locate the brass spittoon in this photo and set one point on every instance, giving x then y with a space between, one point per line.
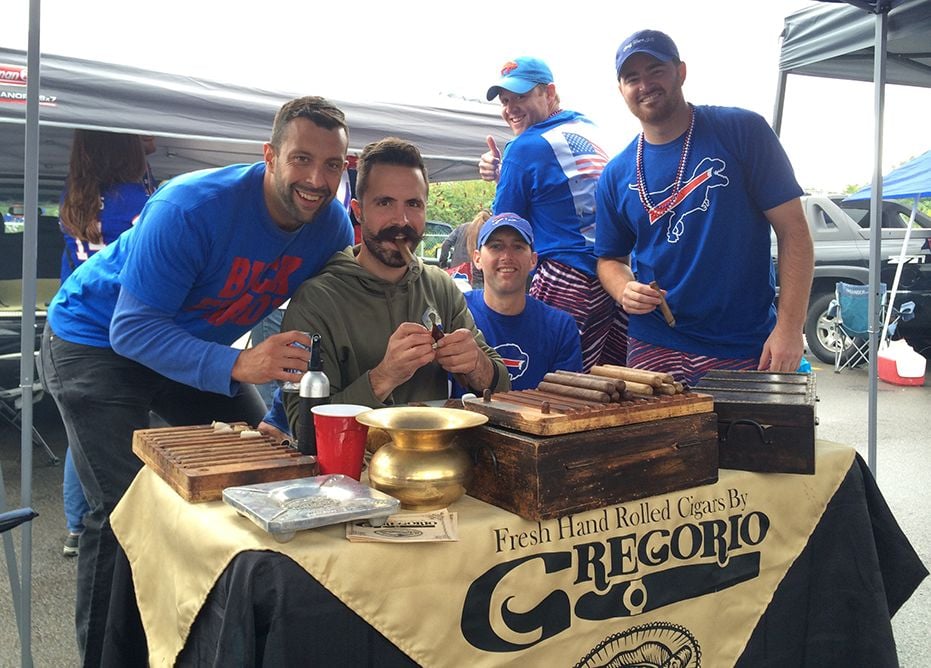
421 466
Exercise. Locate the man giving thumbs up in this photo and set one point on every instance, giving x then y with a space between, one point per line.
547 175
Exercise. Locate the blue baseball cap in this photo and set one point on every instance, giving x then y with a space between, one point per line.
505 220
657 44
520 75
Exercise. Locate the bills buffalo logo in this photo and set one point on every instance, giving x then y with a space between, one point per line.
656 645
509 67
693 196
514 358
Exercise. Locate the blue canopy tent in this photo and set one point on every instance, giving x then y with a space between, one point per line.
861 40
909 181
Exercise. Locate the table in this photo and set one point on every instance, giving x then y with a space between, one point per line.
828 602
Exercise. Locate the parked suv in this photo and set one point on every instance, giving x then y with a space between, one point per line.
841 235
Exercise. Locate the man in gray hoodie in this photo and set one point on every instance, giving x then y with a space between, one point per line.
374 305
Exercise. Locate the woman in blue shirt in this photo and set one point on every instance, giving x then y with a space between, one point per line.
108 184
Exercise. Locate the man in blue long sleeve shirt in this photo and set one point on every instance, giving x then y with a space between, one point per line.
146 324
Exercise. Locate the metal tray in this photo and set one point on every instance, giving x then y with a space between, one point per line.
285 507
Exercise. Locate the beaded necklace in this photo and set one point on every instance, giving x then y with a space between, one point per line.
659 210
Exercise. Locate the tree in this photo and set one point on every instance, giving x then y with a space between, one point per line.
457 202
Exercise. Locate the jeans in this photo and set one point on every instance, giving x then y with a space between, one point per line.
73 496
103 398
269 325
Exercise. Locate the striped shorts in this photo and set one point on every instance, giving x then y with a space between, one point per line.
685 367
601 321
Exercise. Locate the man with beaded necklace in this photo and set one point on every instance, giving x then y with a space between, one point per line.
547 176
688 206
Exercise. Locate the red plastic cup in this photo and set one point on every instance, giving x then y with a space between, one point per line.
340 438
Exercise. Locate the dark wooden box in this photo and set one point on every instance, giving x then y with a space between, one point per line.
766 421
542 477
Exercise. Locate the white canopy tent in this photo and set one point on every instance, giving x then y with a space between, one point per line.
883 41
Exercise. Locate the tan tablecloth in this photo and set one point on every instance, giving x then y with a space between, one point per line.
666 578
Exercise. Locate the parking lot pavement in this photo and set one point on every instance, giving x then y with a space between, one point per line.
53 575
903 474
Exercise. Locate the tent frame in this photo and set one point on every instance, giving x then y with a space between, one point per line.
21 582
880 45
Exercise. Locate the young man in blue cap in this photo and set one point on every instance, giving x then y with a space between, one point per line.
688 206
532 338
547 175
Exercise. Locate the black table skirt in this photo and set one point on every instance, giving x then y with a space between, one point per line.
833 608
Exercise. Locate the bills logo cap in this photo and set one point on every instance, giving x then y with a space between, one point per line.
657 44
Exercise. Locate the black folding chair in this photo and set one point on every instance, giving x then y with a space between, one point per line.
11 392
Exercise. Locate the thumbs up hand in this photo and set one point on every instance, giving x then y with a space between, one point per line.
489 165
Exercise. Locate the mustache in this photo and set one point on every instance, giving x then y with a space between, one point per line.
395 231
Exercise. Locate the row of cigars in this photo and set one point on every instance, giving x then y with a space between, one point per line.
608 382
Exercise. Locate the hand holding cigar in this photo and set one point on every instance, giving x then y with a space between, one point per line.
663 306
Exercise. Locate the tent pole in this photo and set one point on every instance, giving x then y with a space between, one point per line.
28 341
879 93
780 102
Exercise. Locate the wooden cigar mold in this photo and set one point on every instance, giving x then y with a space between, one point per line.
522 410
199 462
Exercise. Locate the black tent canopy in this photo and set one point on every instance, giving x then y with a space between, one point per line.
200 123
838 42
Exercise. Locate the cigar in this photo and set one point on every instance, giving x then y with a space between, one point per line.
618 383
581 380
663 306
401 243
575 392
656 376
627 374
435 330
639 388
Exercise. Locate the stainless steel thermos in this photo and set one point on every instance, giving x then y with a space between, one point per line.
314 390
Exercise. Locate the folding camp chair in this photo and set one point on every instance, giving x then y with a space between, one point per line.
11 392
11 405
851 320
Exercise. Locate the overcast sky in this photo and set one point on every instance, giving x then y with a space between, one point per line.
412 50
